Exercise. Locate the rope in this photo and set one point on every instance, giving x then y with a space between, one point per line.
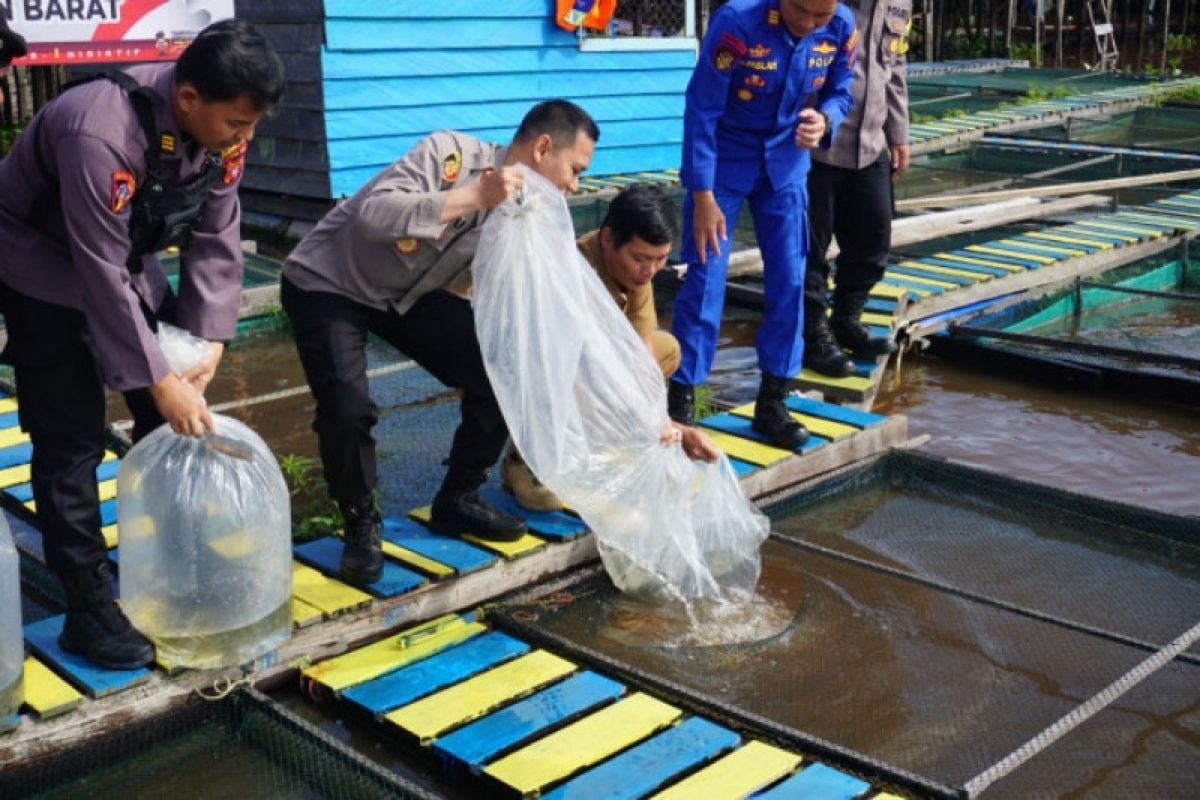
225 686
1082 712
127 424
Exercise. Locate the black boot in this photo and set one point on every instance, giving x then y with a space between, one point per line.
850 332
821 351
681 403
95 626
362 552
458 509
771 417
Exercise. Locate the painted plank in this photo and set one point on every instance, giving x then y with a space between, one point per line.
583 743
326 554
556 525
303 614
9 419
449 666
1034 248
932 274
831 411
747 450
1003 265
743 771
433 715
966 269
827 429
1114 239
741 468
46 694
740 427
917 288
21 490
887 291
16 455
474 745
368 65
448 550
11 436
645 767
394 652
1068 249
429 34
42 637
8 405
1033 260
817 782
523 546
1116 227
1054 235
909 275
332 597
852 383
467 10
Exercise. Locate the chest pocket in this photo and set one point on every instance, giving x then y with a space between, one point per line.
758 80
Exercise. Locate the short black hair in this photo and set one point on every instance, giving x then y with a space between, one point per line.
229 59
643 210
562 120
12 44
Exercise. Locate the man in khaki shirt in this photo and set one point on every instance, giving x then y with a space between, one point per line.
384 262
627 251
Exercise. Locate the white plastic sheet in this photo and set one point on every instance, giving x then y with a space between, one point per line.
585 404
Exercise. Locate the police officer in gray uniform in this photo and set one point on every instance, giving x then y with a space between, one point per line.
850 192
103 178
387 261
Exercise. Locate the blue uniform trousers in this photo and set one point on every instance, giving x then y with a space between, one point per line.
780 226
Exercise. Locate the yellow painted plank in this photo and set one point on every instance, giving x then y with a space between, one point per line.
13 435
925 281
984 262
1059 237
853 383
747 450
1078 228
583 743
521 547
1119 226
1025 247
405 556
888 291
109 532
821 427
303 614
46 693
107 489
940 270
14 476
331 596
738 774
7 405
996 251
875 318
429 716
393 652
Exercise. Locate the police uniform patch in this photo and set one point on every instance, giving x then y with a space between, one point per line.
729 50
123 187
451 167
166 143
851 45
408 246
745 94
818 82
233 158
756 80
773 17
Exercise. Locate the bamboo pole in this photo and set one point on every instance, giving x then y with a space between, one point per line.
1047 191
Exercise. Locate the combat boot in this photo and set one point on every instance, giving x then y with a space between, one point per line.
458 509
821 351
95 627
846 324
518 478
681 403
771 417
362 548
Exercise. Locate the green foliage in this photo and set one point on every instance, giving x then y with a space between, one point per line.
704 402
1186 94
1180 43
8 135
313 513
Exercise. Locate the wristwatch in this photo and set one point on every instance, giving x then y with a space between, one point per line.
828 124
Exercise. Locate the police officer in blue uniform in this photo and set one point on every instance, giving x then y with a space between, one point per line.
772 82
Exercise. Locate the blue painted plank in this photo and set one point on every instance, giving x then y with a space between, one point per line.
1078 248
1137 217
479 742
9 420
436 34
980 269
23 492
897 280
1013 259
741 468
1027 248
643 768
937 276
836 413
420 120
468 10
370 65
740 426
451 551
402 686
15 455
530 87
817 782
108 512
1095 235
881 305
549 524
42 636
326 554
10 724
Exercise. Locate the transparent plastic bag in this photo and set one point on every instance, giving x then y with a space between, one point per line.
585 404
181 349
12 642
204 530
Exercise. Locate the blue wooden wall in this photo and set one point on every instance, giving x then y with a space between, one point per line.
394 70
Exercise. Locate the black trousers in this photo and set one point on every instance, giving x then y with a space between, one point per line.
60 397
856 206
438 333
